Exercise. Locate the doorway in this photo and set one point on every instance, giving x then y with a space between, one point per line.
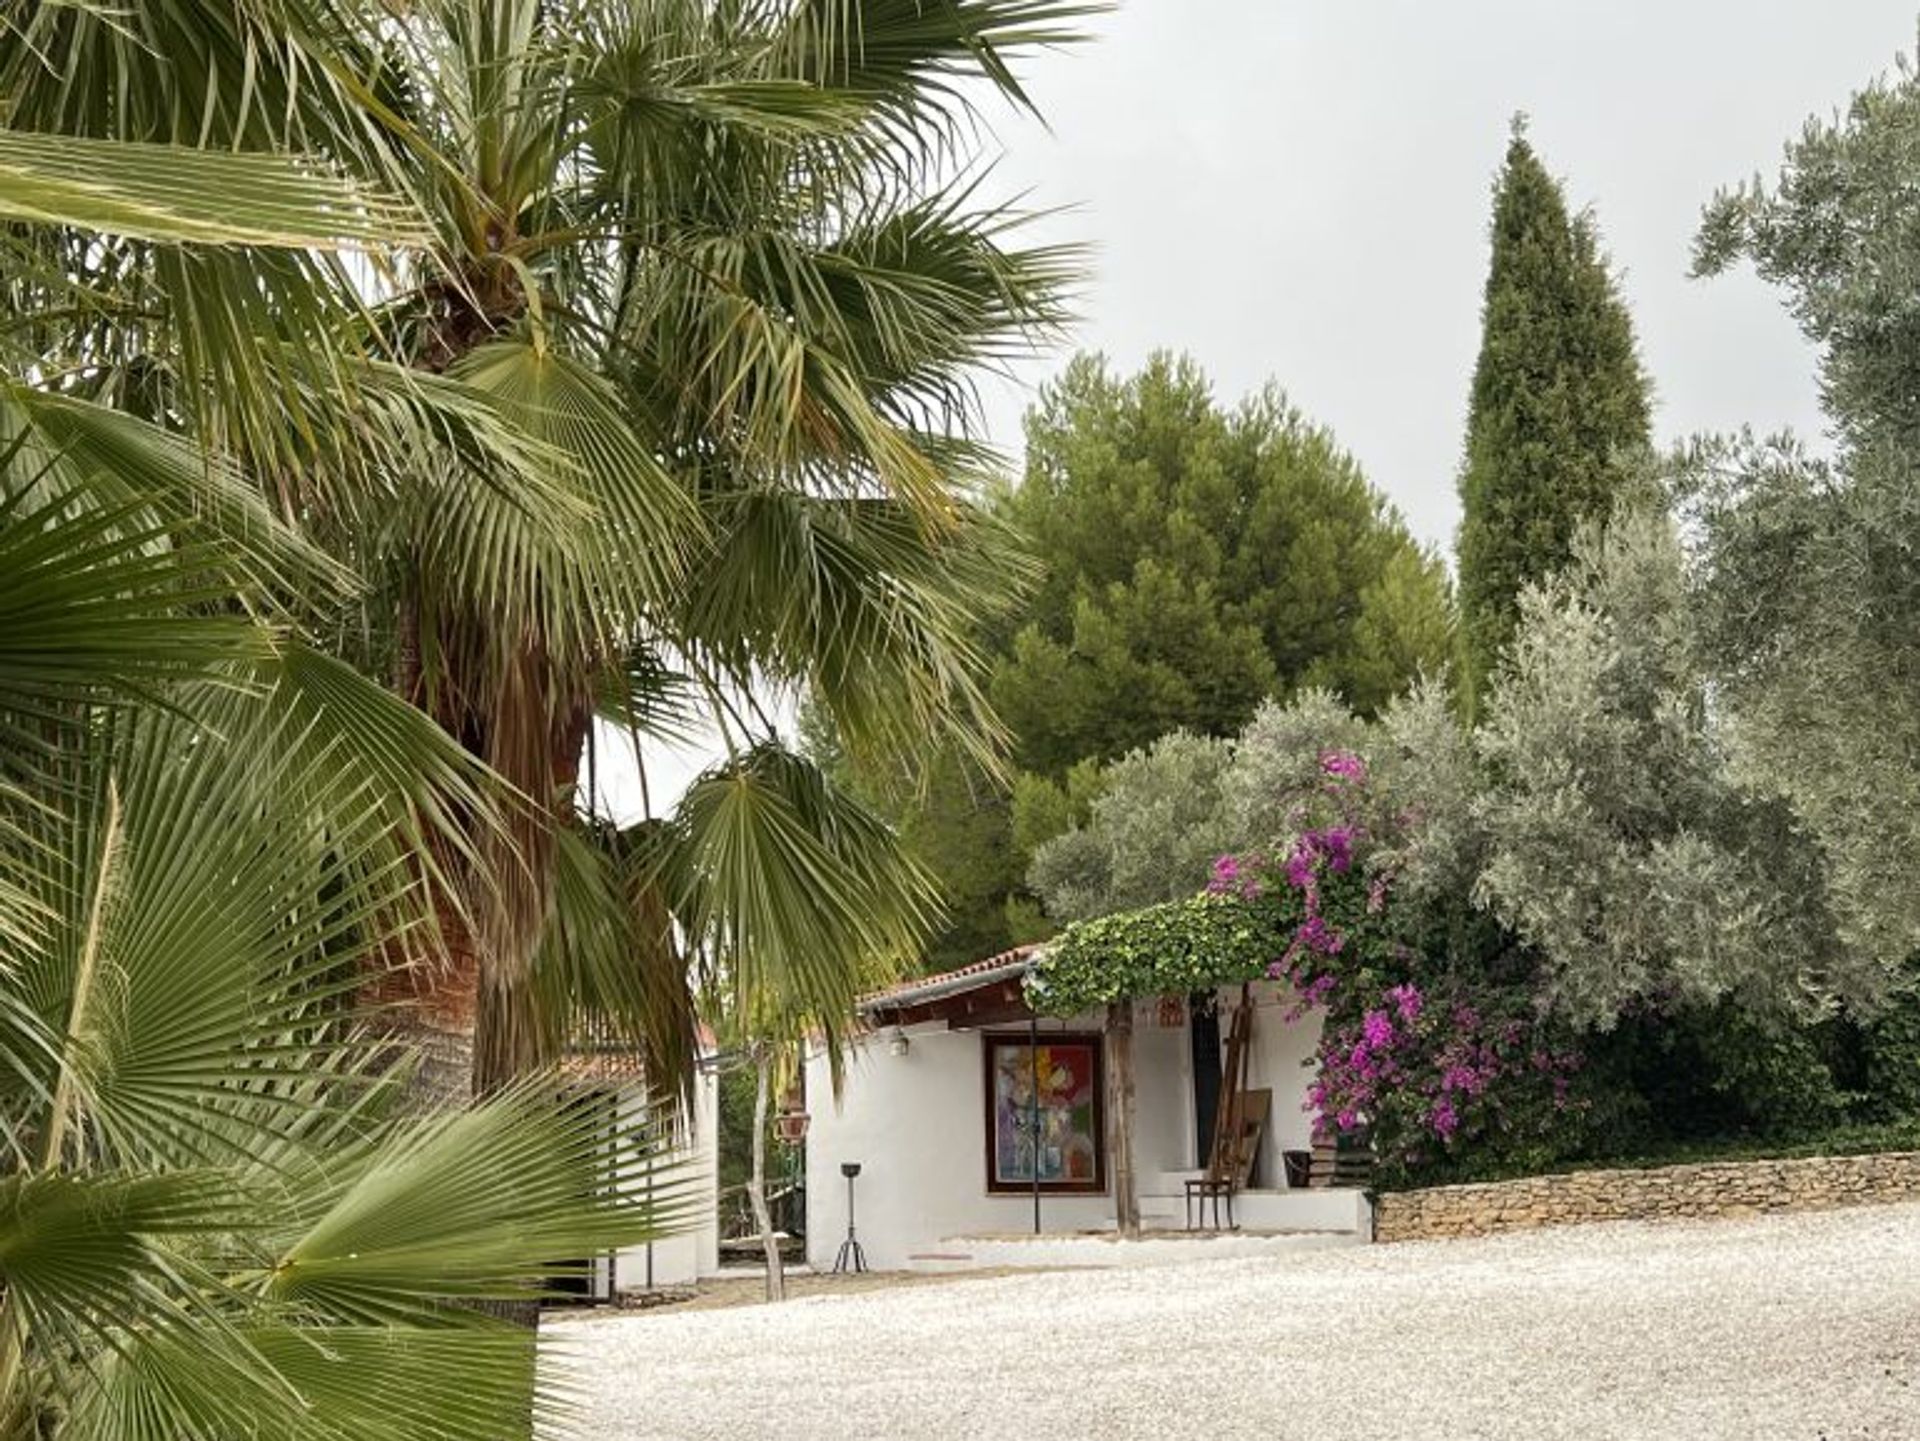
1203 1032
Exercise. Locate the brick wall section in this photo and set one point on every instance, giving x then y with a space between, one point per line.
1717 1188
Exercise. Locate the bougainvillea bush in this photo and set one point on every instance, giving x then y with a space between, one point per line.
1426 1058
1429 1056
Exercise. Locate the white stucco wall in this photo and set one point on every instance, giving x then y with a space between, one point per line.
1281 1060
1163 1129
694 1250
917 1125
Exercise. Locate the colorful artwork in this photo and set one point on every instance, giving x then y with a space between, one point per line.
1063 1128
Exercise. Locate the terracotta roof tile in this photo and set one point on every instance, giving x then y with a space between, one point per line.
992 968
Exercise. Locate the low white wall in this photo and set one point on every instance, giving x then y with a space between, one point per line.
917 1125
694 1251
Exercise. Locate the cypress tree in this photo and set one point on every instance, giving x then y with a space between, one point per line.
1558 398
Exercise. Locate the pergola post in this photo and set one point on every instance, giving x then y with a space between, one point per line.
1126 1199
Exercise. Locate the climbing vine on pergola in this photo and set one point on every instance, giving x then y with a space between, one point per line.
1170 949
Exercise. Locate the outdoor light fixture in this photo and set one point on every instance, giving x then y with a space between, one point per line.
791 1126
852 1256
898 1043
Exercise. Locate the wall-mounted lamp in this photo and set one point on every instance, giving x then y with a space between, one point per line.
790 1122
897 1043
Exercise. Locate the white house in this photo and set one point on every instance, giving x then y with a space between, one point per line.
945 1105
692 1171
687 1256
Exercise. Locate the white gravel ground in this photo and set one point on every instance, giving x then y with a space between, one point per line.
1779 1327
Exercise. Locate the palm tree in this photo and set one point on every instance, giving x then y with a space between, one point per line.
214 1223
667 407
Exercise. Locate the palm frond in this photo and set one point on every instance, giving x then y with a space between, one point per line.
186 195
799 897
855 602
97 603
202 913
912 56
62 446
80 1254
609 977
478 1204
643 518
289 1382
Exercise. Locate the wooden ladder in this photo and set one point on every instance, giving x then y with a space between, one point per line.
1226 1158
1230 1118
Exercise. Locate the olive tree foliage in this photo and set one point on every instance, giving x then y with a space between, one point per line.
1153 831
1808 570
1276 763
1594 816
1162 815
1618 841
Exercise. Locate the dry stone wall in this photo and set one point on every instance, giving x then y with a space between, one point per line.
1716 1188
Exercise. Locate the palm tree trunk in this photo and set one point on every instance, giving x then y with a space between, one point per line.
757 1179
534 731
470 1010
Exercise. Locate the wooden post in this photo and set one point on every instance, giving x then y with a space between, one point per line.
1033 1110
1126 1200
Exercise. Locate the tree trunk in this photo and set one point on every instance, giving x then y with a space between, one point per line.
534 731
1126 1201
757 1181
466 1005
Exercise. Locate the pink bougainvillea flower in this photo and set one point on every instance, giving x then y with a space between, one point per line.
1343 765
1377 893
1300 868
1406 1000
1336 844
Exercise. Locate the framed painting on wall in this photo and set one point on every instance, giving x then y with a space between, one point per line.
1046 1108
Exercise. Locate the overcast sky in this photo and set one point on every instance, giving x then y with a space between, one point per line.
1298 190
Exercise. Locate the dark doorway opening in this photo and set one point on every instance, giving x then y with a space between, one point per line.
1203 1031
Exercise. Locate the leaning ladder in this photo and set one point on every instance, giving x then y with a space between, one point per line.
1226 1158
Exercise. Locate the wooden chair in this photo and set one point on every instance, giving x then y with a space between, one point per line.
1231 1168
1238 1125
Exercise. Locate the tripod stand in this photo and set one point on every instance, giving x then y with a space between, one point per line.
852 1257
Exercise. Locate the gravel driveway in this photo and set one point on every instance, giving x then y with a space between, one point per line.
1786 1326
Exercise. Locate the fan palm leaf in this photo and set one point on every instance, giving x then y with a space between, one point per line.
666 352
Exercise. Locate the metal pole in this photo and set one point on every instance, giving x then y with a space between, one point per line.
1033 1109
647 1111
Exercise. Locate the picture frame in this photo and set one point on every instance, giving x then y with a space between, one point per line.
1070 1114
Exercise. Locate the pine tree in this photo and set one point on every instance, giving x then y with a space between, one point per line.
1558 398
1199 558
1196 559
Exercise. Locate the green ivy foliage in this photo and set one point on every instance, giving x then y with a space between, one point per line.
1169 949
